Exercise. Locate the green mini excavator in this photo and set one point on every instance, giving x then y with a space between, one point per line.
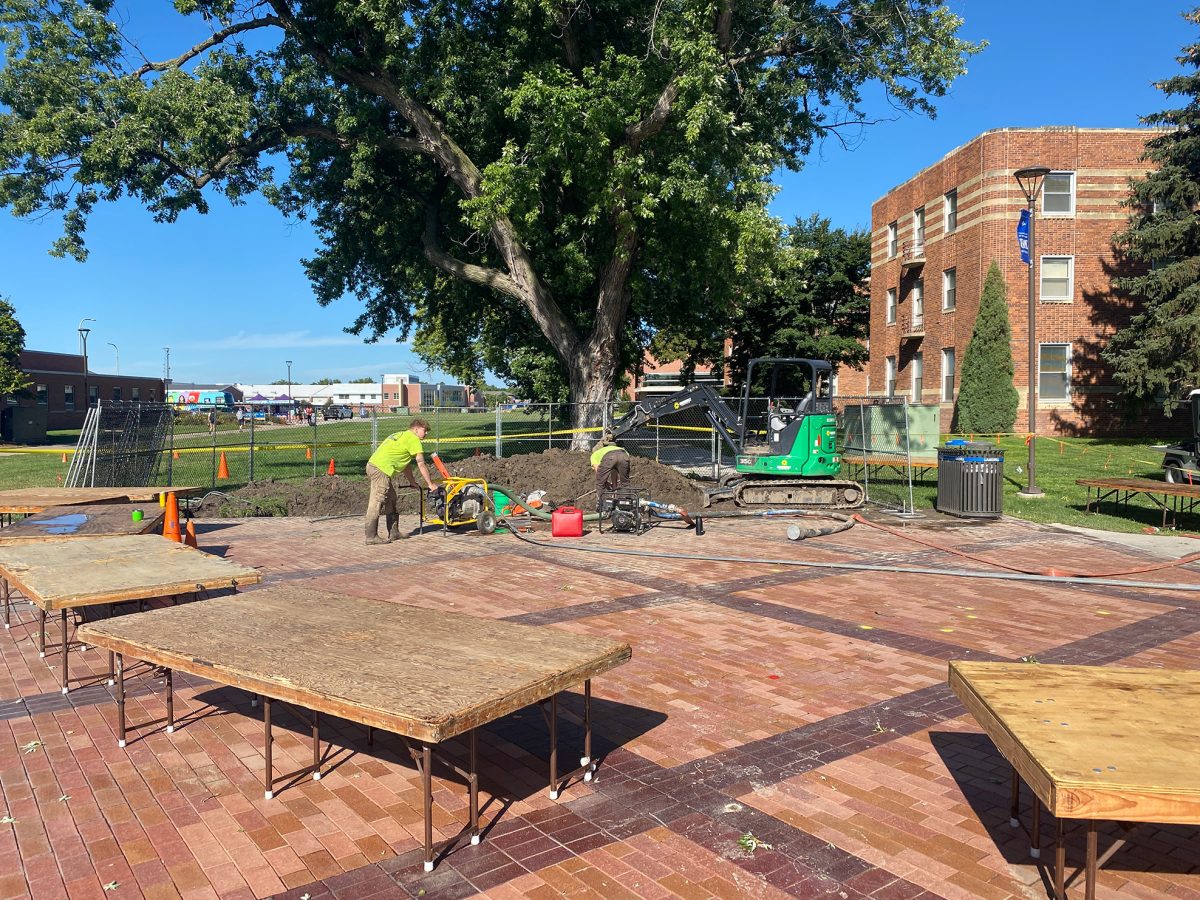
785 443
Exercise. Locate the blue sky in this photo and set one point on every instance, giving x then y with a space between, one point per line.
226 291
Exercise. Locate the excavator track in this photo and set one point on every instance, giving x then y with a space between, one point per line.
806 493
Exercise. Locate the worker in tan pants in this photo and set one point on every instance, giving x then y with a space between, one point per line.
397 453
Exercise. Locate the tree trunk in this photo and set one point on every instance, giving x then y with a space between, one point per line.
592 373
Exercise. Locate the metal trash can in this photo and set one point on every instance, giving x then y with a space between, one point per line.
970 479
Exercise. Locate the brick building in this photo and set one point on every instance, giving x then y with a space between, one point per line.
934 237
59 383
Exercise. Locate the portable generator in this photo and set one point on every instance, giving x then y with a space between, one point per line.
623 509
457 502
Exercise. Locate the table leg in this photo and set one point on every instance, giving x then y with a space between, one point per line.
1060 861
427 786
473 783
554 747
110 653
316 734
65 669
4 595
1014 805
1035 833
370 736
170 702
1089 891
587 732
120 699
268 773
41 633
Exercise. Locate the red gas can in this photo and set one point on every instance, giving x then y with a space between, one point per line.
566 521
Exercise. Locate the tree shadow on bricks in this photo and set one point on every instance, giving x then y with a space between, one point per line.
984 777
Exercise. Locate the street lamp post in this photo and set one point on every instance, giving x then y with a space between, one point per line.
291 401
83 333
1031 179
118 355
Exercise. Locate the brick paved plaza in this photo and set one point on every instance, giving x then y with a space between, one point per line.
807 707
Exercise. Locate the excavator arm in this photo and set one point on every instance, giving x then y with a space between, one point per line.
695 396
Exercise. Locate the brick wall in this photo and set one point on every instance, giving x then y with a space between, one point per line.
989 203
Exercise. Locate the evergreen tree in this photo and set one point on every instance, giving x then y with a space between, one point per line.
987 400
1158 353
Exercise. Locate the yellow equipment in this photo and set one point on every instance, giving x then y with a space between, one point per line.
459 501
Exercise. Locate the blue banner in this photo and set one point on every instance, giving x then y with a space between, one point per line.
1023 235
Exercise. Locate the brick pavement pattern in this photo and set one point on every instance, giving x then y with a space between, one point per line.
804 706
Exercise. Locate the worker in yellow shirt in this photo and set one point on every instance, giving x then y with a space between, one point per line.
396 453
611 464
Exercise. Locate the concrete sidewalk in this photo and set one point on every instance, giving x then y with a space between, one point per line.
804 707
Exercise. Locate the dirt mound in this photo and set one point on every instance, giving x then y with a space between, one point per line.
565 475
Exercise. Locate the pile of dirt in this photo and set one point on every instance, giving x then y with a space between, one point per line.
565 475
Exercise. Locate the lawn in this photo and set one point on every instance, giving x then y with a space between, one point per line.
298 451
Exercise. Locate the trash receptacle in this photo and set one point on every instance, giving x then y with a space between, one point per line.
970 479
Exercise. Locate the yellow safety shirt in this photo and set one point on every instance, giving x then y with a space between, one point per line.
599 453
396 452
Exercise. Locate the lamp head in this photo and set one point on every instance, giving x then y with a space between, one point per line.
1030 180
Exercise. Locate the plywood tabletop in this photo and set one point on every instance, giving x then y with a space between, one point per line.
1141 485
64 574
64 522
35 500
1094 742
425 674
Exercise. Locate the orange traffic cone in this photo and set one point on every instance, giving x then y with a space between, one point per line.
223 467
171 521
332 468
64 456
189 536
308 452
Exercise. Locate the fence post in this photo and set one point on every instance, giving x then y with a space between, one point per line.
171 451
549 425
866 452
374 430
214 455
314 428
437 428
252 446
912 509
499 432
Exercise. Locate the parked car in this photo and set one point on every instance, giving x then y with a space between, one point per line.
336 412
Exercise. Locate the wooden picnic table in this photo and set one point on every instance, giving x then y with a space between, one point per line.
1183 497
69 575
1093 744
424 674
23 501
59 523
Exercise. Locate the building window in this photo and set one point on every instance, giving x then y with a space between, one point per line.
891 306
950 207
1058 279
93 395
949 289
135 394
43 398
1058 194
889 376
69 397
1054 372
947 374
918 303
918 376
919 227
891 239
116 395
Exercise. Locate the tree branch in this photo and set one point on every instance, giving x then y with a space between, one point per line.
653 123
475 274
217 38
725 26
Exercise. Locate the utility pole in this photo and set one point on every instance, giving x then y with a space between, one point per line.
1031 180
166 372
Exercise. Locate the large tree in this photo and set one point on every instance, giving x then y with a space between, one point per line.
12 342
812 302
528 182
1158 354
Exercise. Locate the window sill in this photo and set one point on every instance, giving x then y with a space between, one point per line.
1052 301
949 309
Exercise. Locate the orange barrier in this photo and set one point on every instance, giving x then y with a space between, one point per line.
189 536
171 521
223 467
332 468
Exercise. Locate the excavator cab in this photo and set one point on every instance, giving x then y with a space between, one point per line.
785 390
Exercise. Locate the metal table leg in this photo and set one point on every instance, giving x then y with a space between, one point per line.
41 633
7 599
554 747
1089 891
1060 861
316 736
268 772
1014 805
1035 832
65 668
473 783
586 760
120 699
427 786
170 702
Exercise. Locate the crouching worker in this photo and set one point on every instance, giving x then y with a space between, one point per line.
397 453
611 464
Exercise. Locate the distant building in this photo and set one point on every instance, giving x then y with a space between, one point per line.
934 237
395 393
60 383
661 378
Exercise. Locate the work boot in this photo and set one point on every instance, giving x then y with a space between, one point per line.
371 531
378 540
393 526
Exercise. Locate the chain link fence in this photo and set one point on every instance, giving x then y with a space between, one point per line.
879 445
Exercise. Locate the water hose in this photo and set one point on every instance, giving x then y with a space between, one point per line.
1154 567
867 567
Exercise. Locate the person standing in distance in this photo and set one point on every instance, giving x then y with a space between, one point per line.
397 453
